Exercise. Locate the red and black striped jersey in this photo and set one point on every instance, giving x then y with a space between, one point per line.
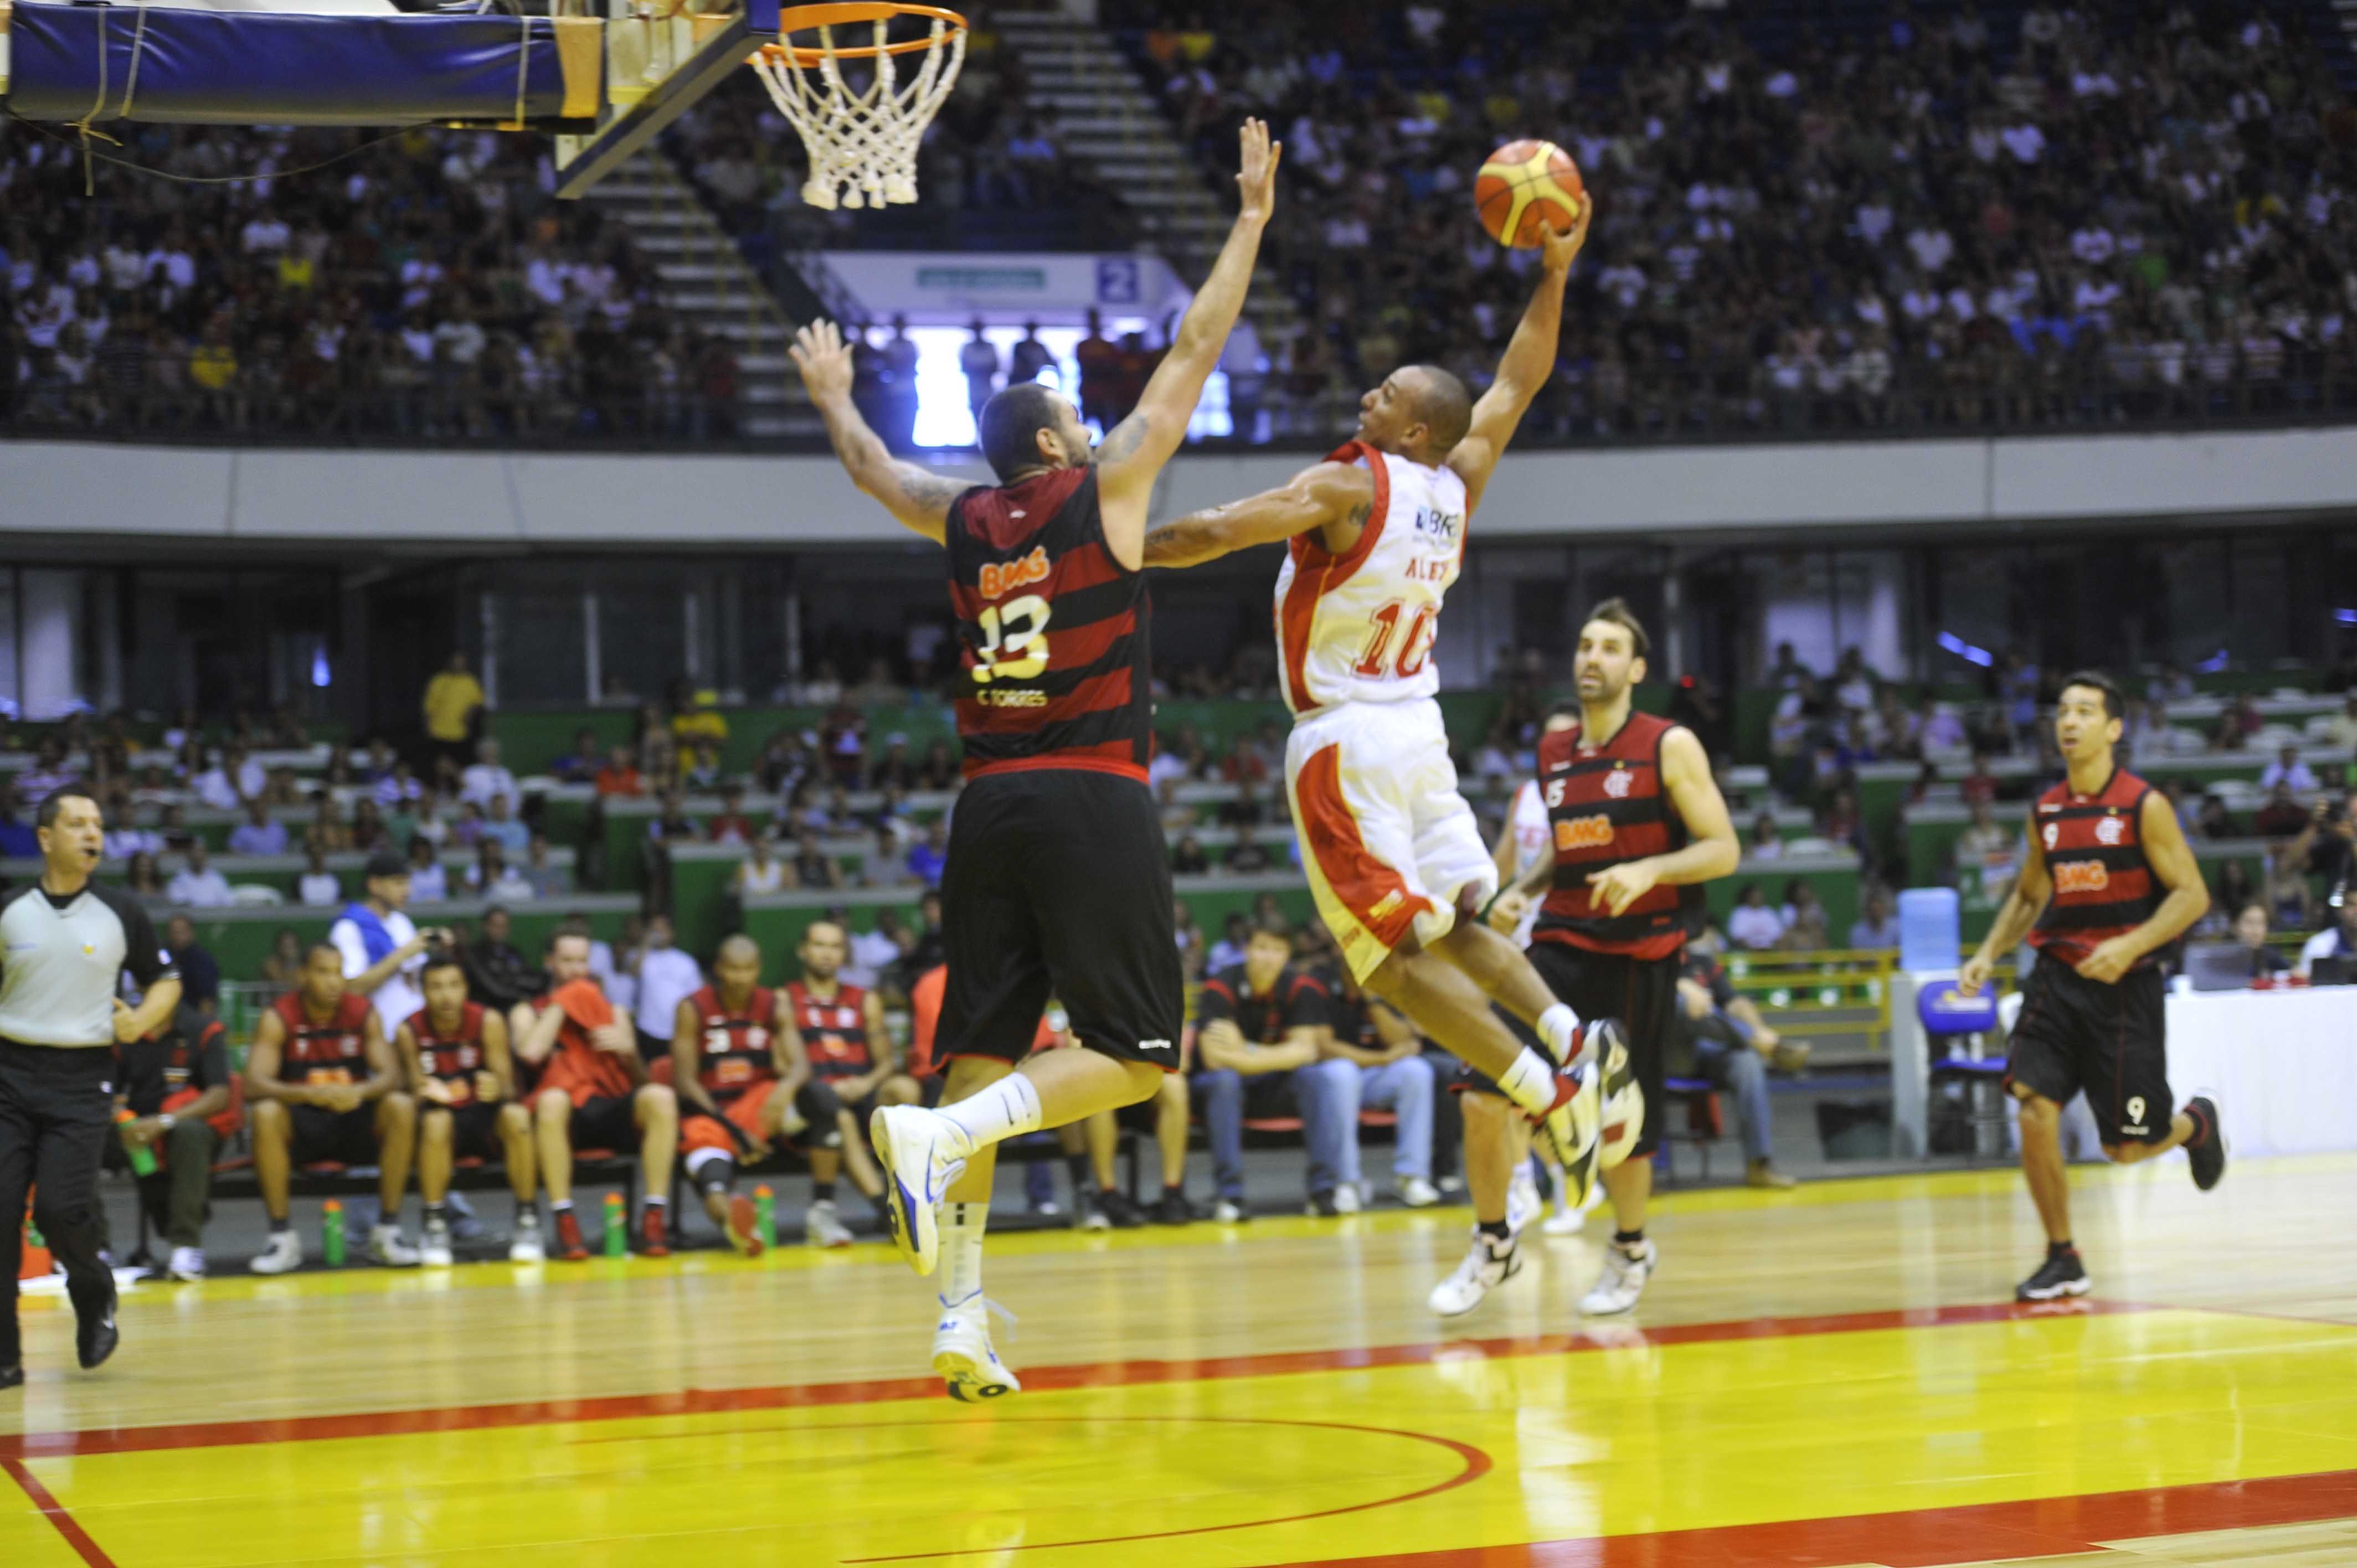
1295 1000
1055 631
732 1044
2103 886
1606 805
834 1029
332 1052
455 1058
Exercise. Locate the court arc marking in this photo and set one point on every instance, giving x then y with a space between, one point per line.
1927 1538
1081 1375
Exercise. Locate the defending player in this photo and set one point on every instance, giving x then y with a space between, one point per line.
1058 876
839 1030
1398 865
1637 825
2107 883
456 1055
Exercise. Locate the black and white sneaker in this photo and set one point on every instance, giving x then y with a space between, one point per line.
2062 1275
1321 1205
1117 1207
2206 1150
94 1333
12 1377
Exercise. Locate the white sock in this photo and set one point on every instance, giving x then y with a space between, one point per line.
961 1227
1557 1025
1007 1109
1530 1083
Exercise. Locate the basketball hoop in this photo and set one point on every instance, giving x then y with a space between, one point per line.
861 140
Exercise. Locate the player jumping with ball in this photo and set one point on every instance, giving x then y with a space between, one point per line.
1396 861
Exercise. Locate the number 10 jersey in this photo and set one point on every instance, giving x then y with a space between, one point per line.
1359 626
1054 632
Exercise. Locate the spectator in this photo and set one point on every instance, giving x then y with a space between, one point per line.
730 824
1260 1031
1245 858
428 882
199 971
580 765
1767 839
1188 859
2341 732
17 838
666 978
2251 931
761 872
143 879
2212 820
493 877
260 833
812 866
497 974
2289 771
233 779
540 870
979 361
2289 899
1876 928
1228 950
317 887
382 950
927 858
2327 845
1979 788
487 783
2282 816
1100 373
197 885
1393 1075
501 827
2337 941
671 824
1754 923
621 775
1732 1046
452 701
1804 919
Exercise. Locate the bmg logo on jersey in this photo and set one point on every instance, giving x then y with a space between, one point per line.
1583 832
2080 876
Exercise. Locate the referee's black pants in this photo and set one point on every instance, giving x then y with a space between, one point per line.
56 1105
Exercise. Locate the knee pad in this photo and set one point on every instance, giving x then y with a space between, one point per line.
711 1170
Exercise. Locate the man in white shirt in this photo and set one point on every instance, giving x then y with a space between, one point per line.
1753 923
233 779
196 885
2338 939
382 950
666 978
500 826
2287 768
872 952
485 779
317 886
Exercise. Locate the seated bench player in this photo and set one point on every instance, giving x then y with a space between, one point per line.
593 1092
1260 1031
841 1027
324 1086
456 1054
176 1084
745 1083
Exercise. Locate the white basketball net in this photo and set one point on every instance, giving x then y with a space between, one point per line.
862 144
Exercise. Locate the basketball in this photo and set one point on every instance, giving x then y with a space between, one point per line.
1527 184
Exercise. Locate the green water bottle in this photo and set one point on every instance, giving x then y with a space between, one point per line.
331 1232
33 1237
765 1216
617 1243
142 1157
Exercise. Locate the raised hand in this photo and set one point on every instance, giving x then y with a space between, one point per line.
1256 168
823 360
1558 251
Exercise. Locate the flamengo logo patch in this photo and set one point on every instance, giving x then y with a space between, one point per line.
1618 783
2110 830
997 579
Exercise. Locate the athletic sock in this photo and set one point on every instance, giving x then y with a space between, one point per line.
1173 1189
1007 1109
2060 1250
962 1229
436 1214
1629 1240
1084 1181
280 1226
654 1201
1496 1232
1558 1026
821 1192
1529 1082
527 1210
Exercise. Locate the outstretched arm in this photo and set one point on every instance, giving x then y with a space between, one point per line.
1323 495
1529 361
1134 451
918 499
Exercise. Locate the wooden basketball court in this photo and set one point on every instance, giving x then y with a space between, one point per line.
1832 1377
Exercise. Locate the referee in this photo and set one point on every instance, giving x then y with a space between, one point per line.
65 942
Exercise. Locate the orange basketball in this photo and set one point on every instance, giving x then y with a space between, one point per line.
1525 184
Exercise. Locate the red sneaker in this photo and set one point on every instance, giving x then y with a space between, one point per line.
744 1226
650 1229
569 1245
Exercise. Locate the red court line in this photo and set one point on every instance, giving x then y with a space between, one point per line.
1928 1538
1094 1374
55 1513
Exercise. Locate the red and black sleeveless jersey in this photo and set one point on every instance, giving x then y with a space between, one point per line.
1058 670
455 1058
732 1047
833 1030
1297 999
162 1072
1605 805
2103 886
332 1052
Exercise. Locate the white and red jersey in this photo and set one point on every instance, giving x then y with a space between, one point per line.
1358 627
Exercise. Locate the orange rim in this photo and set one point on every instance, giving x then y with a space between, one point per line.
807 18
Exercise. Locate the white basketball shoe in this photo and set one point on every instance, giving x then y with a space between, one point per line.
915 1146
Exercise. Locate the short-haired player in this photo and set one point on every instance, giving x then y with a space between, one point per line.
1636 826
1375 534
595 1092
456 1055
839 1029
2107 883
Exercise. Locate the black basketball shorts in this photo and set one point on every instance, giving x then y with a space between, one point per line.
320 1135
1058 883
474 1129
1642 992
2110 1040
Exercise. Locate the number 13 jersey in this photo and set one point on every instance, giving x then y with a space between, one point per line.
1359 626
1056 656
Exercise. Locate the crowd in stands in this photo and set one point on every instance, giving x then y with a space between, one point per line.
1891 217
425 285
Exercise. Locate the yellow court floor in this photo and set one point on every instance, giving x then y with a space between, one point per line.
1832 1377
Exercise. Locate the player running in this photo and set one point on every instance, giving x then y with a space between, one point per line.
1057 877
2107 883
1637 826
1396 862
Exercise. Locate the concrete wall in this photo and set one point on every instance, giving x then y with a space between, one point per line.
53 487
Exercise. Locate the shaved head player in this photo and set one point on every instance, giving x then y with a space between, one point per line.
1375 534
1058 878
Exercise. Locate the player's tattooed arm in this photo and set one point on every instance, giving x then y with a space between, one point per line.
1336 496
1125 440
919 499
